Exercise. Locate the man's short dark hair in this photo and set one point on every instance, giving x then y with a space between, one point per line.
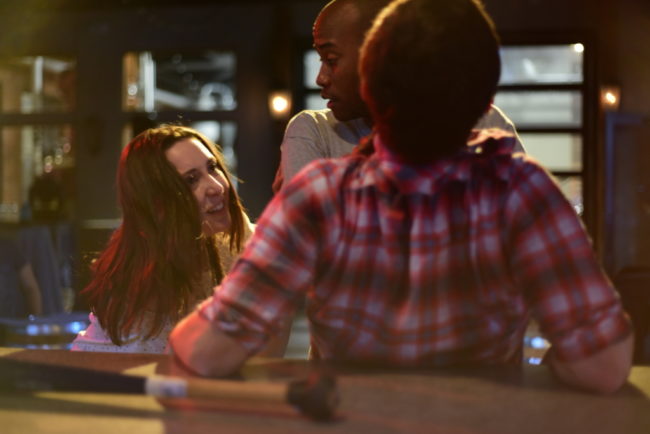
368 10
430 70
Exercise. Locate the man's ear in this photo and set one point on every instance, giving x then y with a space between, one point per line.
363 90
489 106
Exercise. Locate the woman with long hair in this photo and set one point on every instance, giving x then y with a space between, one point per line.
182 226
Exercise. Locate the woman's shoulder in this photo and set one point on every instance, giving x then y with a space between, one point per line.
95 338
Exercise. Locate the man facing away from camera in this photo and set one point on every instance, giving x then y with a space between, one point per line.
431 251
335 131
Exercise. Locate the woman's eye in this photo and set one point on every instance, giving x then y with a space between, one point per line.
214 167
190 179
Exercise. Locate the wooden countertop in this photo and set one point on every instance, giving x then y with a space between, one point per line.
480 400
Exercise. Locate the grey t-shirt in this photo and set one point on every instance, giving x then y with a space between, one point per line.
314 134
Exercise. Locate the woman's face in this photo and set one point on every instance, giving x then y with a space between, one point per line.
198 167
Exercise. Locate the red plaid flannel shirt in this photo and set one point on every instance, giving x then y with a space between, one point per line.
422 266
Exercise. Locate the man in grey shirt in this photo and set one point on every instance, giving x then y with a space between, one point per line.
334 132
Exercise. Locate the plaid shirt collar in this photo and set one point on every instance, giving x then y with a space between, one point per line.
491 148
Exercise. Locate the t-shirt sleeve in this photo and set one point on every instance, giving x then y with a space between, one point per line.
552 260
302 144
277 265
495 118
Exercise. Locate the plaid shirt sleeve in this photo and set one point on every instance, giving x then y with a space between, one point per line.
552 259
277 265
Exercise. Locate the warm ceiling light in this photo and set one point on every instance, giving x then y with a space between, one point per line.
610 98
280 104
578 48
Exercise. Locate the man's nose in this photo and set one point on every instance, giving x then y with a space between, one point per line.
323 77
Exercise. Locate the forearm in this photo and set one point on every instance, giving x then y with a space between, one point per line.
603 372
31 291
201 347
34 302
277 345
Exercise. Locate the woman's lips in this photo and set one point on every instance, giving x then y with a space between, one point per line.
214 208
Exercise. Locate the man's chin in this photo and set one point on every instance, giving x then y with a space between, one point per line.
342 115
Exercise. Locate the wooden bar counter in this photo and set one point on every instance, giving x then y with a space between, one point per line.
457 401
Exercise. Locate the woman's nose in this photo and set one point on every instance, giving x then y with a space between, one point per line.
215 186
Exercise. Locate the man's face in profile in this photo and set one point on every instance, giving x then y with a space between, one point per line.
337 38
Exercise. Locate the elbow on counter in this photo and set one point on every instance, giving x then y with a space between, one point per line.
203 350
604 372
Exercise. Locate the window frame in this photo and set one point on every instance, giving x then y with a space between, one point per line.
591 152
45 118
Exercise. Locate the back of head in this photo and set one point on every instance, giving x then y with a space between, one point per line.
46 199
429 70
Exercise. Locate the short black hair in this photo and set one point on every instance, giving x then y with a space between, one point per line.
429 69
368 10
